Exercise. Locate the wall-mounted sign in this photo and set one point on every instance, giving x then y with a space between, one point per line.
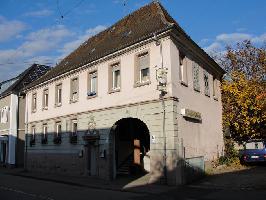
153 139
191 114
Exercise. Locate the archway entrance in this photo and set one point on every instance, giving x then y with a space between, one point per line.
131 145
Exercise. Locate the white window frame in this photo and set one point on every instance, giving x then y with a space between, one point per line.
34 102
33 132
45 98
116 84
139 69
92 92
74 93
57 129
58 94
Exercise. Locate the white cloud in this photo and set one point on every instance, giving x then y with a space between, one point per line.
9 29
221 41
43 46
233 37
39 13
70 46
38 47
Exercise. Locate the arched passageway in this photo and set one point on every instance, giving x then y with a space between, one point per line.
131 146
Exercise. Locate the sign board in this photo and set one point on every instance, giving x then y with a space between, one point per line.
153 139
191 114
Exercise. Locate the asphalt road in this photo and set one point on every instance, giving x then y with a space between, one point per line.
244 185
20 188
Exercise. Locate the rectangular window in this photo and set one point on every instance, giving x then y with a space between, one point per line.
206 83
44 134
116 77
4 114
214 86
143 61
45 98
33 136
74 127
58 129
195 73
182 68
74 132
57 134
142 70
34 102
33 131
92 84
58 95
74 90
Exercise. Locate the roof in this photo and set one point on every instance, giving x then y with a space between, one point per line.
28 76
137 26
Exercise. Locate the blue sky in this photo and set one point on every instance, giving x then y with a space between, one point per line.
34 31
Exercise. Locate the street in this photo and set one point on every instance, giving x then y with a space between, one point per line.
246 184
14 187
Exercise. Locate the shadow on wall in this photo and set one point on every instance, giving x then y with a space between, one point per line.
91 153
12 151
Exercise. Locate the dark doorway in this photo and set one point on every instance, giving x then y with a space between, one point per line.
131 144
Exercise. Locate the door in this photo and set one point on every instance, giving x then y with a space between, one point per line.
136 152
93 161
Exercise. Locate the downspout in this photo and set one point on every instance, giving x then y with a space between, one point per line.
26 135
162 94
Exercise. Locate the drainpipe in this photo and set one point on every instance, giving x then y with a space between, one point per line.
162 82
26 135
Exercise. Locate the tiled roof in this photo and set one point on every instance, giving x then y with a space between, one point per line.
133 28
137 26
27 77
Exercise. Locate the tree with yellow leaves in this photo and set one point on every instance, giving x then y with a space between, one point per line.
244 92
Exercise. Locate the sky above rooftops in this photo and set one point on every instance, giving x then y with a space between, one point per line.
44 32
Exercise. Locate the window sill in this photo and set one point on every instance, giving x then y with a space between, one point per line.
215 98
45 108
114 90
73 101
139 84
197 90
57 105
184 83
93 96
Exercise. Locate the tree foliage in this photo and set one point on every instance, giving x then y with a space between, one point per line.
244 91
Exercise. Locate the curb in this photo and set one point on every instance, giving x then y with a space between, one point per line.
217 187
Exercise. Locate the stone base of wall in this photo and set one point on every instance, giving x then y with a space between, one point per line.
56 163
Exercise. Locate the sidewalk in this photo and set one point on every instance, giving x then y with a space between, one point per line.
123 184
